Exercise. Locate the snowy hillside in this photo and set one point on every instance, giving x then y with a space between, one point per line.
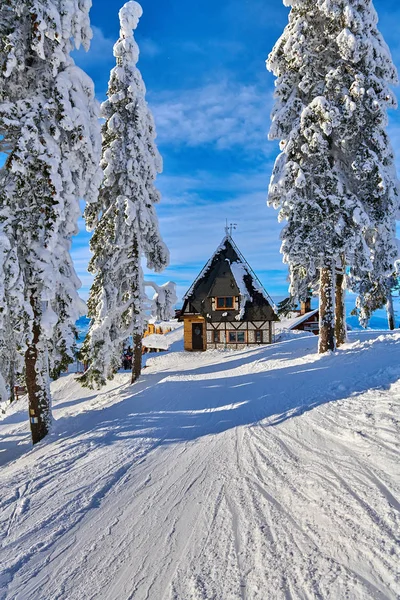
270 473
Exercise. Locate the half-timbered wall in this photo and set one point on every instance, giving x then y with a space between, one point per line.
249 328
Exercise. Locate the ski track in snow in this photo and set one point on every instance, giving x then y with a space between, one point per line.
270 473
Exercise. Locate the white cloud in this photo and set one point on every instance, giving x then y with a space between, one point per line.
192 217
149 47
192 220
232 48
223 114
100 51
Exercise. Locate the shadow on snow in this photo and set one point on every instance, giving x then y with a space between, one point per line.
184 405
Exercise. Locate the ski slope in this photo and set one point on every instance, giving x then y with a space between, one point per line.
269 473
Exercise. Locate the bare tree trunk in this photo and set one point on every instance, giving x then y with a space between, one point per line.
37 381
326 310
136 358
340 309
390 312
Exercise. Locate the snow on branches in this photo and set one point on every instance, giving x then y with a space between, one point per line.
334 180
163 301
49 124
124 218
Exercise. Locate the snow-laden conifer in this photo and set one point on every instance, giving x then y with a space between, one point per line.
124 218
48 117
373 164
13 320
163 301
333 71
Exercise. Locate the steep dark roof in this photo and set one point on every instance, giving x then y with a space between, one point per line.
227 266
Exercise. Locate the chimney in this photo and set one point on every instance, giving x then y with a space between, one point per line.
305 306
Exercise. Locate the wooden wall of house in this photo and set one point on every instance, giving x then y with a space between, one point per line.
187 331
249 328
310 324
160 329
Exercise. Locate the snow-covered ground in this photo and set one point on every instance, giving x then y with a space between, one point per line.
269 473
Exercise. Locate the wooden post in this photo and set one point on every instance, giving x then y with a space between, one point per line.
137 357
326 310
340 309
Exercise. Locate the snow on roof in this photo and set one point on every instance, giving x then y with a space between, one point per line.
258 286
204 269
163 341
239 272
165 325
242 268
156 340
292 322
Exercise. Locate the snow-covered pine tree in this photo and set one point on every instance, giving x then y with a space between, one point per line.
62 344
286 306
163 301
49 118
12 320
372 162
327 82
124 218
374 288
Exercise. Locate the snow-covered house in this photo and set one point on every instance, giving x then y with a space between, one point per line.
306 319
227 306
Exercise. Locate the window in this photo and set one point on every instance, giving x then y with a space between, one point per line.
259 336
223 302
216 336
236 337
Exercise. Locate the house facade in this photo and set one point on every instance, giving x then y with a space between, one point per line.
305 319
308 319
227 306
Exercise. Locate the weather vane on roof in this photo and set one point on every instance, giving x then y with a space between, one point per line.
229 228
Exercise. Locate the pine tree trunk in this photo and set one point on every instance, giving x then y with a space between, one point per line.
12 380
326 311
390 312
36 378
340 309
136 358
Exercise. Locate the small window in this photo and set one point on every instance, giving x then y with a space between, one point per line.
259 336
216 336
236 337
224 302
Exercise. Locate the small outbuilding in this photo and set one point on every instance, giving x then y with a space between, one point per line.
227 306
305 319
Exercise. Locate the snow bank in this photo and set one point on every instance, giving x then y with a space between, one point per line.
156 341
290 458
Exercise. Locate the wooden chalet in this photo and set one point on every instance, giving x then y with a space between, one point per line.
227 306
305 319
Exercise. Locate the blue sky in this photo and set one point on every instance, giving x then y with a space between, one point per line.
203 63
